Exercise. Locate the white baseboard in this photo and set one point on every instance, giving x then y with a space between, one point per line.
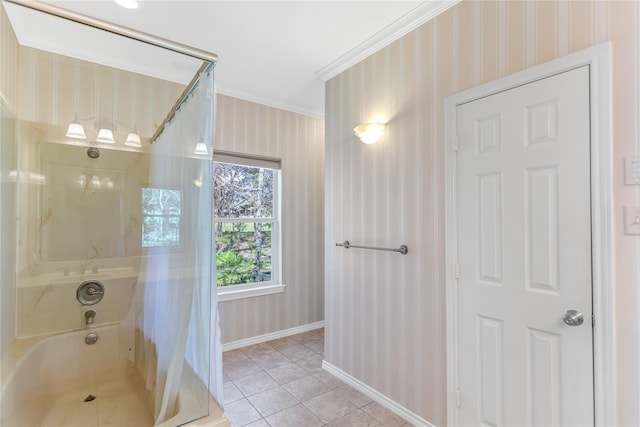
376 396
272 336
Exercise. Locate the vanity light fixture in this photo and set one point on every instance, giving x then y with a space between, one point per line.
133 140
201 149
76 130
105 136
128 4
369 132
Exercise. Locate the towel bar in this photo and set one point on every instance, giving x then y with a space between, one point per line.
403 249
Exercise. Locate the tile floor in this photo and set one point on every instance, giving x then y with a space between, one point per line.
282 383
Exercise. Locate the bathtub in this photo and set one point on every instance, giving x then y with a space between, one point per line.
61 381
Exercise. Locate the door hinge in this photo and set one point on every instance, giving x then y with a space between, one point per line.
593 320
454 144
458 398
456 270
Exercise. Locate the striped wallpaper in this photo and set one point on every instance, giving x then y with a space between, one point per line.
56 87
385 313
298 140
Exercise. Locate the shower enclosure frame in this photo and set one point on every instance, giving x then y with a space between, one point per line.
210 59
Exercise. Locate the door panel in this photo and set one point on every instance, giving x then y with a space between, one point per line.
524 254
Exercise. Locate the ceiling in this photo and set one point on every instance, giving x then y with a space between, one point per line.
277 53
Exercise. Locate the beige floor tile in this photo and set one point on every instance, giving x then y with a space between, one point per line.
311 364
233 356
353 396
241 368
270 360
282 343
306 388
306 337
286 373
230 392
330 406
255 383
241 413
272 401
316 345
328 379
297 352
383 415
357 418
257 349
296 416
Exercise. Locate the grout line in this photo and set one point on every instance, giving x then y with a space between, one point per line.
299 401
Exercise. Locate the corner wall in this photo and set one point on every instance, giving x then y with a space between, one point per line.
249 128
385 313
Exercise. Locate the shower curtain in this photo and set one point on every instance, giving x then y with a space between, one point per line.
173 317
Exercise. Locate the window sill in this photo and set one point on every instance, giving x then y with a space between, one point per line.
238 292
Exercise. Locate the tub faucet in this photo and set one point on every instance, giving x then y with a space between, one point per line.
89 315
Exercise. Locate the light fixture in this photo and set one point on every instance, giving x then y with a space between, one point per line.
128 4
133 140
369 132
76 130
201 149
105 136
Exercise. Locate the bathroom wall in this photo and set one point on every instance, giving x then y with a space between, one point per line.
8 91
54 89
298 140
64 227
385 314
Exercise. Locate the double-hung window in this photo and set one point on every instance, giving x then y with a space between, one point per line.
246 225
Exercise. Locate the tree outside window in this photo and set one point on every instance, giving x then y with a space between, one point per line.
245 223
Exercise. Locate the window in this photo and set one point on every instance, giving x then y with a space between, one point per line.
161 210
246 226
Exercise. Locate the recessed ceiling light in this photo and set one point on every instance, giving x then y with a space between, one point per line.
128 4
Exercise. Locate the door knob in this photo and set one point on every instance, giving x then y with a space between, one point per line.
573 318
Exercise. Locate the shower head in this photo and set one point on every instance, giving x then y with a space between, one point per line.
93 153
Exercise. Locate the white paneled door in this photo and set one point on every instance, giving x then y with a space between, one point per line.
524 255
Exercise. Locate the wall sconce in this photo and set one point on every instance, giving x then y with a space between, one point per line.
369 132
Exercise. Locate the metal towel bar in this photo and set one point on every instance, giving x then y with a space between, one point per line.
403 249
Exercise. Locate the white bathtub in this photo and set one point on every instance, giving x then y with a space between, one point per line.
52 379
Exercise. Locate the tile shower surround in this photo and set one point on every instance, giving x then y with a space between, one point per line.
282 383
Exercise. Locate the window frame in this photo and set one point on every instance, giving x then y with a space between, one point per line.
275 285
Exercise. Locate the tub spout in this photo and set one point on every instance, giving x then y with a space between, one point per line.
89 315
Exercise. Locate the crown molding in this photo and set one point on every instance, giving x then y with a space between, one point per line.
292 108
409 22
